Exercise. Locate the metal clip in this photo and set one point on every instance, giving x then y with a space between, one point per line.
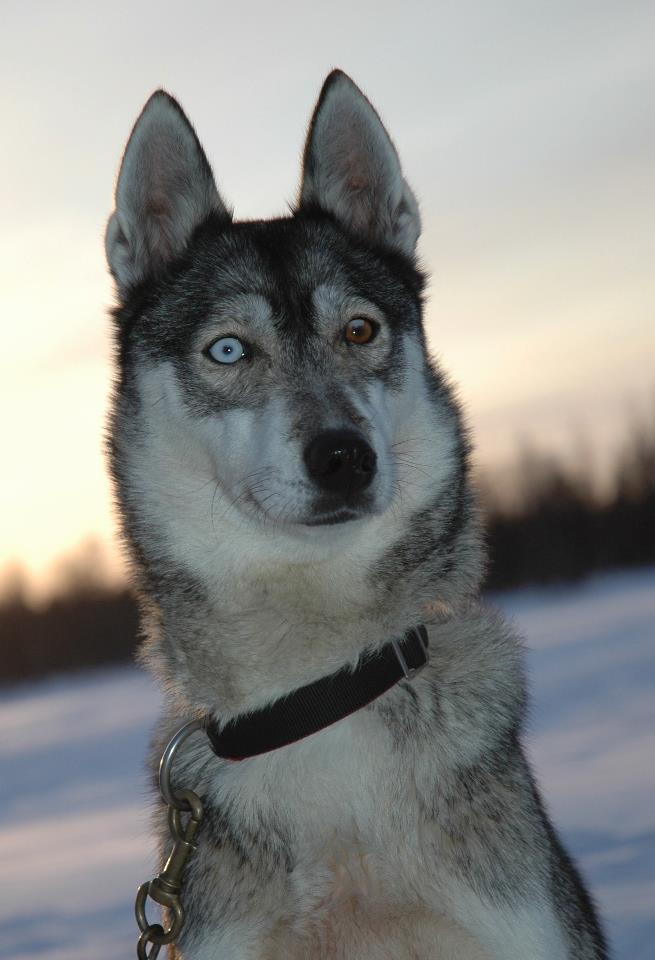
165 889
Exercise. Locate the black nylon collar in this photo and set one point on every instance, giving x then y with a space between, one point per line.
319 704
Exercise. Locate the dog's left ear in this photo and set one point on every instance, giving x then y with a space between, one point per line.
351 169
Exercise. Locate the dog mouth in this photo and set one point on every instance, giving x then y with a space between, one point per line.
331 519
320 516
321 511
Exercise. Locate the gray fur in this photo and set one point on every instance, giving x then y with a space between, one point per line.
412 829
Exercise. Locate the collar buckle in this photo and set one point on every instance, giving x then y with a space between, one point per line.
419 634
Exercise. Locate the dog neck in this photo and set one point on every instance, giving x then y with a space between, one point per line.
255 633
328 699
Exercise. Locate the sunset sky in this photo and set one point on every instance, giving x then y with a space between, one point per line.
527 131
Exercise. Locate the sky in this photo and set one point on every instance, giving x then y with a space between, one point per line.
526 130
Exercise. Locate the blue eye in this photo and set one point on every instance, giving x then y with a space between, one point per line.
226 350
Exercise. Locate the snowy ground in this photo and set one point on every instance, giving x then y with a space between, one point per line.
74 813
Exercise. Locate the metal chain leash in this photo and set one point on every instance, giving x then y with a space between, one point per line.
166 888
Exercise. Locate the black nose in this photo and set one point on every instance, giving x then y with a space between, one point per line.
340 461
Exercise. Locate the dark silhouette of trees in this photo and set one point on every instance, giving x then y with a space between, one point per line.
72 631
560 529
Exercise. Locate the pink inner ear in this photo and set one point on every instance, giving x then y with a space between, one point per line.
357 183
158 206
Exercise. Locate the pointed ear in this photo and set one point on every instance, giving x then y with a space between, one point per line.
351 169
165 190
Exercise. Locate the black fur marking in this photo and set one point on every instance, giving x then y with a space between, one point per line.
489 840
401 712
263 847
582 924
430 539
283 261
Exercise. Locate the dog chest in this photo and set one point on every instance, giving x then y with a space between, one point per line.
349 908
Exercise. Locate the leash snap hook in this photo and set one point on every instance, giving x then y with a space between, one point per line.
166 888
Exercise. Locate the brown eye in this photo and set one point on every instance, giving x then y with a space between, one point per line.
360 330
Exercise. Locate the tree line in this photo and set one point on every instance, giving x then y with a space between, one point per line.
554 528
558 528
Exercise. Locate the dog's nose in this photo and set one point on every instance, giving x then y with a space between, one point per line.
340 461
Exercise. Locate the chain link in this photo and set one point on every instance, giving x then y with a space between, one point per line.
165 889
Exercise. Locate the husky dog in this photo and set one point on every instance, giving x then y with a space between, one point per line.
292 473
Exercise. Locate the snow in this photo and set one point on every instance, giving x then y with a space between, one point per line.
74 799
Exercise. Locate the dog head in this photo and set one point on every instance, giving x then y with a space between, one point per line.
275 399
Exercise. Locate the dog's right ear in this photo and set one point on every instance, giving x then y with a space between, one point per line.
165 189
